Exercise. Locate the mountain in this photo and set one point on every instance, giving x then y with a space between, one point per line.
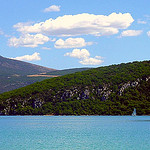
110 90
11 66
67 71
16 74
13 73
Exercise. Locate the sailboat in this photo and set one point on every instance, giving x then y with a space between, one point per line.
134 112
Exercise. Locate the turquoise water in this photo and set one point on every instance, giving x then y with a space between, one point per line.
74 133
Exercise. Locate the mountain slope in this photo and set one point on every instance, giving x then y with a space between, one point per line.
67 71
10 67
112 90
13 73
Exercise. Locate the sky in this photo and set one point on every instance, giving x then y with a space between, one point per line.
64 34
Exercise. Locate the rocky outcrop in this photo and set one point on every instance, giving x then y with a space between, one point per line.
131 84
36 100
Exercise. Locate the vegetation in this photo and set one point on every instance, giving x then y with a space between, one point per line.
67 71
9 83
112 90
13 73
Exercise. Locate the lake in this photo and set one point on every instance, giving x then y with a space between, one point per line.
74 133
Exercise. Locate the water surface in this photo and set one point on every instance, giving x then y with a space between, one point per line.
74 133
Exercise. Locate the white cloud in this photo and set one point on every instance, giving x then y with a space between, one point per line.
71 43
35 56
84 56
131 33
98 57
46 48
141 22
91 61
28 40
20 24
77 53
80 24
52 8
148 33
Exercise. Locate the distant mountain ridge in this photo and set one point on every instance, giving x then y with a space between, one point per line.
13 73
67 71
11 66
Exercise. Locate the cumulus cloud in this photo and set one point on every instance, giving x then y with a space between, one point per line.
46 48
80 24
28 40
91 61
84 57
33 57
71 43
131 33
148 33
77 53
20 24
52 8
98 57
141 22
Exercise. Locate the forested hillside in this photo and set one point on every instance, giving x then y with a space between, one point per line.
112 90
67 71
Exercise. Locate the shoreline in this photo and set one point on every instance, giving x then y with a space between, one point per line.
77 115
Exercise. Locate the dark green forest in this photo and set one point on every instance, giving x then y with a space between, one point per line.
67 71
110 90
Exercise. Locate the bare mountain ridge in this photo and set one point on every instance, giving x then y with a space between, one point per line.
13 73
11 66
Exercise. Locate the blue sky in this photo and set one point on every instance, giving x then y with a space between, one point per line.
75 33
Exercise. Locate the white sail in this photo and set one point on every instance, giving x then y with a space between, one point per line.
134 112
